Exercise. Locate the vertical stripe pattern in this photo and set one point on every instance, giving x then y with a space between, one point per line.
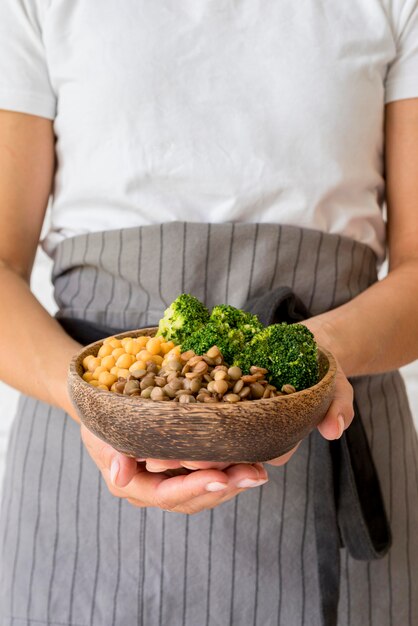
74 554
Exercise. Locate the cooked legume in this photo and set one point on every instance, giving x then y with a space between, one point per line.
154 369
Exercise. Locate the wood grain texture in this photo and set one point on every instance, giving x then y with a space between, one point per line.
248 431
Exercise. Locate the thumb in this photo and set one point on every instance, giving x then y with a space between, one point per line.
122 469
341 412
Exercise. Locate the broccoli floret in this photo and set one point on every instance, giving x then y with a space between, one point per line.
287 351
183 317
228 340
247 323
228 328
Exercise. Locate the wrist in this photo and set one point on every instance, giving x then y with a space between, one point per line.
59 390
326 336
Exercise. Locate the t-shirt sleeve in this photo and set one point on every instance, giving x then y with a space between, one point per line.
24 80
402 76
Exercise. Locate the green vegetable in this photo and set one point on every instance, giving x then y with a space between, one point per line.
228 328
287 351
247 323
229 341
182 318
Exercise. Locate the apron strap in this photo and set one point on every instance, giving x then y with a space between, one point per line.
362 519
327 532
86 332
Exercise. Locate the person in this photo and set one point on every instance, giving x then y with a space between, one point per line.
221 149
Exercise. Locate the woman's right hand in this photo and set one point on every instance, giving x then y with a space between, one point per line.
187 493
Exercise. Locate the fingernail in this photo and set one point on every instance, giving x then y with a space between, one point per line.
341 426
216 486
114 471
248 482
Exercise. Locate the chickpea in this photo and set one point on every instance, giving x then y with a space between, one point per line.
87 360
141 364
132 347
118 358
144 355
166 346
125 361
104 387
138 365
123 373
98 371
108 362
154 345
105 350
106 378
117 352
94 383
93 364
176 351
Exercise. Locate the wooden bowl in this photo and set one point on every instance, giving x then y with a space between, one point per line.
248 431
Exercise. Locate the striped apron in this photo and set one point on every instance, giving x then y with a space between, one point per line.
72 554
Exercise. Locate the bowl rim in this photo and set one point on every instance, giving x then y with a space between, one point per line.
329 375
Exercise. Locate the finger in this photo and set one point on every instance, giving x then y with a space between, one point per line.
206 502
200 503
123 469
244 475
160 465
181 489
340 412
195 465
282 460
137 503
173 492
139 489
158 490
211 500
192 495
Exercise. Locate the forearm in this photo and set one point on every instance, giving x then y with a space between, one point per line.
35 350
376 331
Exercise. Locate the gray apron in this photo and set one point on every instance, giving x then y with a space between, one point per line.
73 554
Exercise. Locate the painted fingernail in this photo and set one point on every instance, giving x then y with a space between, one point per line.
341 425
248 482
114 471
216 486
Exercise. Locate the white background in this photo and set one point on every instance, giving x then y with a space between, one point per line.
42 288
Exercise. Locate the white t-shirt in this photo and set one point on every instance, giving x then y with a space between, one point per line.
212 110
